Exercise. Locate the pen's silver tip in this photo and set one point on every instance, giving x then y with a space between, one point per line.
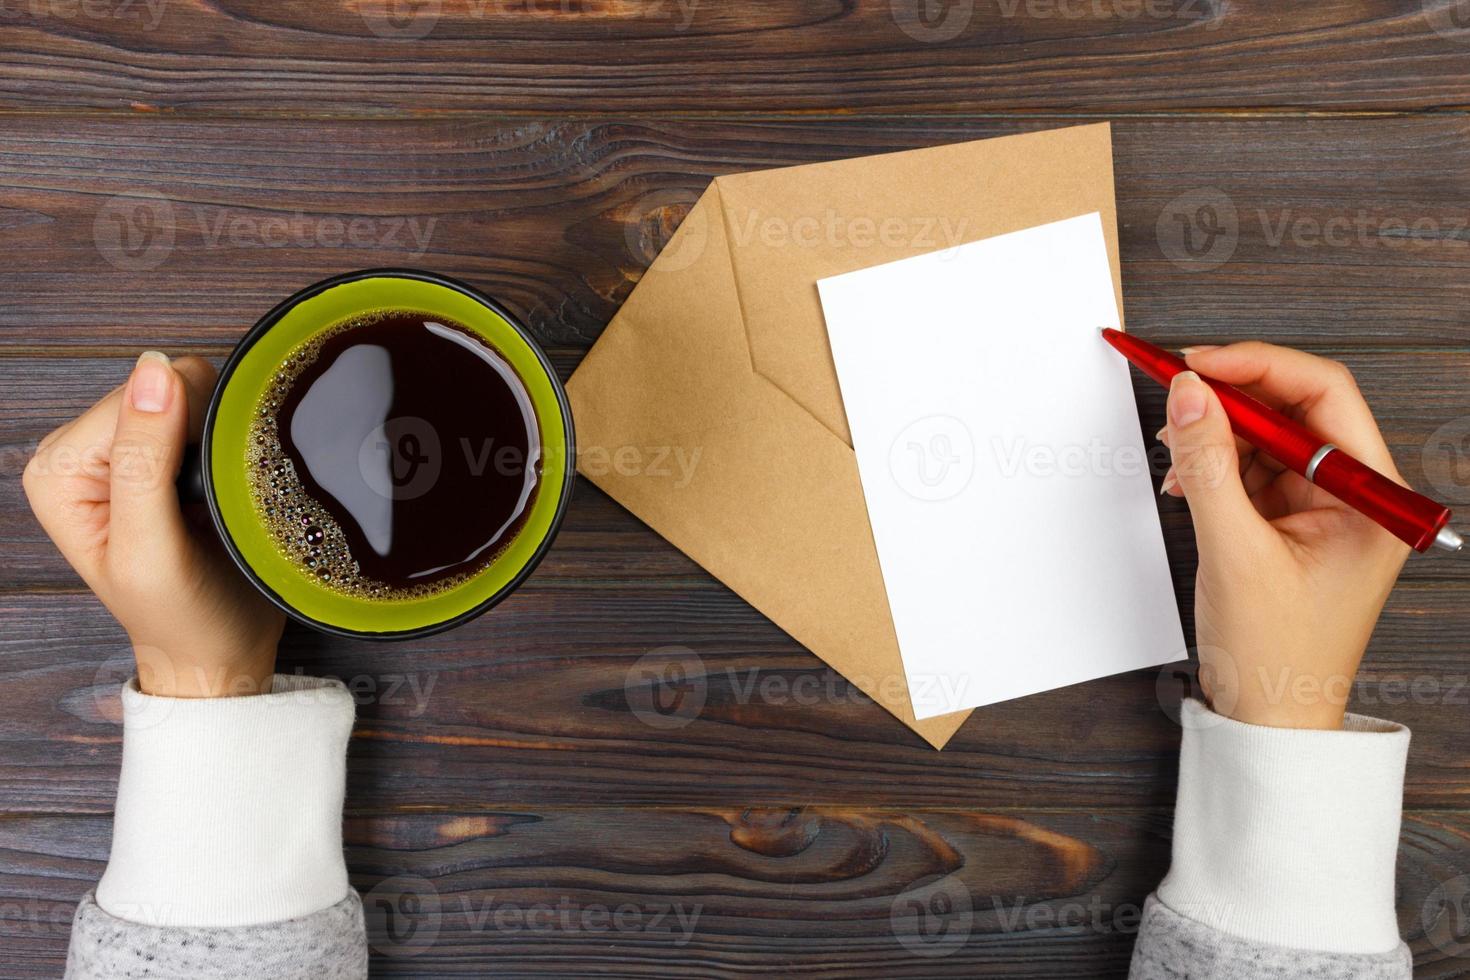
1448 539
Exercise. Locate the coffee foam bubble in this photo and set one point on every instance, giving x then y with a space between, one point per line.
302 529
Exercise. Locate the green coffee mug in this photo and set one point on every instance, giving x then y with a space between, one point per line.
223 480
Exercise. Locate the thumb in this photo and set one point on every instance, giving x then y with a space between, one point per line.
147 449
1206 463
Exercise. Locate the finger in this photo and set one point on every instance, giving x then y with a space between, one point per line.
152 426
1321 392
1279 493
92 430
1301 494
69 471
1250 456
1207 466
1170 484
97 424
66 482
199 378
92 426
1255 473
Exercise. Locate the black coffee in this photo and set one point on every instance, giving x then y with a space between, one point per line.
395 455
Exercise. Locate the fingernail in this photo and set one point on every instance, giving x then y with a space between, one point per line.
152 383
1161 433
1186 399
1200 349
1170 482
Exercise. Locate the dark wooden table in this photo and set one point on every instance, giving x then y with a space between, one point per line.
169 169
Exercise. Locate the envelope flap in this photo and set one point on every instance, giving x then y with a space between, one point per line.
787 228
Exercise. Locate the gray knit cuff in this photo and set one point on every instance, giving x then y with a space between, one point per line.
326 945
1171 946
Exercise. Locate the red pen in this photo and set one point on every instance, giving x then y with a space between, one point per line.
1414 519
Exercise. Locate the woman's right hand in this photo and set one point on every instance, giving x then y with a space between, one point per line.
1291 580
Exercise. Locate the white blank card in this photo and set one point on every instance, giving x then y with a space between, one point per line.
1003 466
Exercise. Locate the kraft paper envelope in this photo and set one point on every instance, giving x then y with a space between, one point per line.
710 408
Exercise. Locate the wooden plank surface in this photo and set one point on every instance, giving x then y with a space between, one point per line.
1332 232
700 56
169 170
550 700
714 892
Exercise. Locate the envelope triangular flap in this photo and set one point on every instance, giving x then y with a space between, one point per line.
787 228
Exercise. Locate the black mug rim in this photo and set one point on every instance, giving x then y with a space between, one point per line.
261 328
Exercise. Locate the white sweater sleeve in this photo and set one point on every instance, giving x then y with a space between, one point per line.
228 836
1285 842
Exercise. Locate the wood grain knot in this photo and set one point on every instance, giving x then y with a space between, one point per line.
776 833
